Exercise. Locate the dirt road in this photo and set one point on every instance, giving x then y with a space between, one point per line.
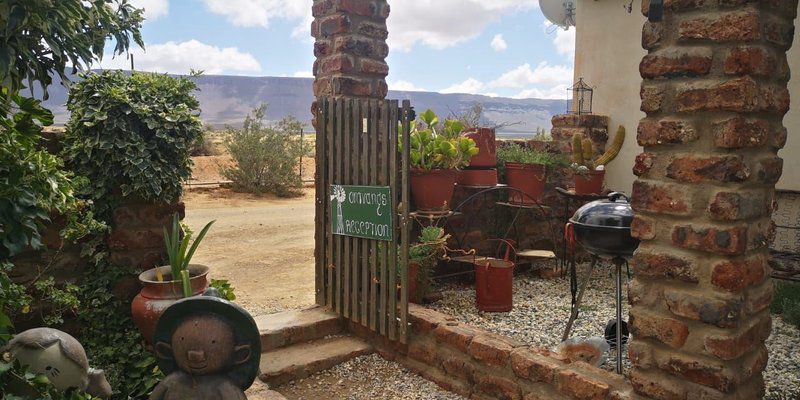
263 245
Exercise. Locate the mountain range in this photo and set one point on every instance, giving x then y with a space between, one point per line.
225 100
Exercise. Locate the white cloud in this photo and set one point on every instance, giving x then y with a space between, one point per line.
421 21
179 58
498 43
404 86
469 86
524 75
153 9
258 13
303 74
555 92
564 40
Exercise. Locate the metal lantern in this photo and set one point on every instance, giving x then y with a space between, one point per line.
581 102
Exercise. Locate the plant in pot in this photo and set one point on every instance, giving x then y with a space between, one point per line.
526 170
437 153
165 285
422 259
589 174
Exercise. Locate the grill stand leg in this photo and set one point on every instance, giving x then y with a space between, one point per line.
574 315
618 262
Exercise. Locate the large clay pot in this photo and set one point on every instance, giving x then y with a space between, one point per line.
433 190
591 183
156 296
528 178
486 141
478 177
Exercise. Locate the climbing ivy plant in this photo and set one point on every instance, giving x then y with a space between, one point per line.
132 132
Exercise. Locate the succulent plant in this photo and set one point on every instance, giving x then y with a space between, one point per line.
436 147
583 151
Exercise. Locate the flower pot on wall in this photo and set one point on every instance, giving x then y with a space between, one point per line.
478 177
433 190
530 179
487 144
157 296
589 183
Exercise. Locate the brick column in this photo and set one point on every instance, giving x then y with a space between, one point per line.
715 95
350 48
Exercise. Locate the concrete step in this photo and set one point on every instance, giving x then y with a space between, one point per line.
297 326
299 361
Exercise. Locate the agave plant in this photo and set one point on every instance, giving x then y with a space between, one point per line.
180 253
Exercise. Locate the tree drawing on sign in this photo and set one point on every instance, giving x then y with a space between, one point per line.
340 196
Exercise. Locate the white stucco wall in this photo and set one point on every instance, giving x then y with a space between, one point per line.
608 49
607 54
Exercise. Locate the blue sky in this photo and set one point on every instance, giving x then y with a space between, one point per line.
491 47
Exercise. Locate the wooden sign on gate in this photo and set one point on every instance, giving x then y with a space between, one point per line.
362 211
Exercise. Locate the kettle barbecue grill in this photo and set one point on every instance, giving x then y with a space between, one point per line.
603 228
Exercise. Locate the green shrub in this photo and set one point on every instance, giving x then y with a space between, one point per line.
266 156
787 302
132 132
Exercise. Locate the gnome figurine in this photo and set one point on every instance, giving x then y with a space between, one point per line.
209 348
61 358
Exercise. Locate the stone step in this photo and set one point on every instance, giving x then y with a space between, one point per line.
303 360
297 326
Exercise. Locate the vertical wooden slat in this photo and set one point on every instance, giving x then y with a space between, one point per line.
355 268
391 127
374 244
385 248
405 228
339 160
345 156
330 158
321 194
365 244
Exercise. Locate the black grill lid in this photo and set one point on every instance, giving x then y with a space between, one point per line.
614 212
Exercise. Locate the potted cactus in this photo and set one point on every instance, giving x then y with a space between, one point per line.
437 154
589 174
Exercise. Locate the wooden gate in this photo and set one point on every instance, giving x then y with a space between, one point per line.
358 144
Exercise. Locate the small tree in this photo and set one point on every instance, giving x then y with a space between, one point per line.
266 156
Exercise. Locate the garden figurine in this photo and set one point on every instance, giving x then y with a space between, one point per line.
209 349
59 357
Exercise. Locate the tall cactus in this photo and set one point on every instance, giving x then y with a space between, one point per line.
577 149
613 150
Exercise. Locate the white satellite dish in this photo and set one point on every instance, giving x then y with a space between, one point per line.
560 12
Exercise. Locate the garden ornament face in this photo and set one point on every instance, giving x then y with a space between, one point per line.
209 348
61 358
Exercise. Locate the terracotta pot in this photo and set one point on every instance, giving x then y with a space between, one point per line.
487 143
478 177
156 296
433 190
589 184
529 178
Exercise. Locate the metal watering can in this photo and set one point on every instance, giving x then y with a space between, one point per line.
494 281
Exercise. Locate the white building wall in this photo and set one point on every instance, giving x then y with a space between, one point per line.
607 54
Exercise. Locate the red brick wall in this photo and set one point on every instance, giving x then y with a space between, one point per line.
482 365
350 48
715 95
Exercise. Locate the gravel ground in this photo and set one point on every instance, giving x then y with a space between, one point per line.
366 378
541 311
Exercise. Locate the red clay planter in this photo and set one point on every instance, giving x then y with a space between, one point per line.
486 141
528 178
156 296
433 190
477 177
589 184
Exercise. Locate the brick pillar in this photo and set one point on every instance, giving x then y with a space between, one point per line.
715 95
350 48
